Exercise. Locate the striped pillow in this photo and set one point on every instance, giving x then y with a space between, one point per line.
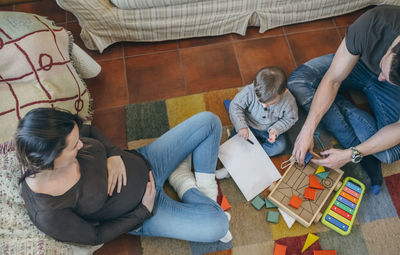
143 4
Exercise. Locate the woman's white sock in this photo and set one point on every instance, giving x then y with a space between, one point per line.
207 184
182 179
227 238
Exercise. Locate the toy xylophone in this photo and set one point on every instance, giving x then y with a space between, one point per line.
341 212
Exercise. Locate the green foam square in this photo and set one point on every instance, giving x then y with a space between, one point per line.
146 120
269 204
273 217
258 202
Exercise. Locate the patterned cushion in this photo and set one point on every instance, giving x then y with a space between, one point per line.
36 70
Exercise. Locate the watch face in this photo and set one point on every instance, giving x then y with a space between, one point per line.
356 158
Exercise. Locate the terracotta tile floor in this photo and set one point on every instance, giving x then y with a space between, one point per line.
135 72
138 72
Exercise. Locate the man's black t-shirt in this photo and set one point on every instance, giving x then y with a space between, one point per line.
372 33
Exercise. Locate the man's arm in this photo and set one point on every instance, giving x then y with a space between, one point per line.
385 138
341 66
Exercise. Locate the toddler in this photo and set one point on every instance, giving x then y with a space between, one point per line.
266 108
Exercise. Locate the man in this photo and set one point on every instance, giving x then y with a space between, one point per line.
368 59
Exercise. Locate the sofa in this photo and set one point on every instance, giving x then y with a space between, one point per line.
105 22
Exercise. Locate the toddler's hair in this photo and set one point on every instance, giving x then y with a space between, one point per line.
270 82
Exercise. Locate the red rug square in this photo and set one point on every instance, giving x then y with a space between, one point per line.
295 245
392 183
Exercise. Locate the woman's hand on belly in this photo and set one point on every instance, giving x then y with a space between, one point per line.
116 174
150 193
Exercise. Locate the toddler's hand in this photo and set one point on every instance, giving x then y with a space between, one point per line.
272 136
244 132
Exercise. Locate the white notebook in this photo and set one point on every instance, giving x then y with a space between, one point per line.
248 164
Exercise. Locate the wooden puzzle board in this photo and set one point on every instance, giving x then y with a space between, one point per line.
294 182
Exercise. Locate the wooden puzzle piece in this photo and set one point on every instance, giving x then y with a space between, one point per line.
295 201
323 175
273 217
314 183
307 158
269 204
258 202
320 169
309 241
280 249
225 205
289 220
310 193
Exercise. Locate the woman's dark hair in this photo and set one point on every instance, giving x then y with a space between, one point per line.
269 82
41 137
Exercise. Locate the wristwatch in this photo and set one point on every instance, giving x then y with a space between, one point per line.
356 156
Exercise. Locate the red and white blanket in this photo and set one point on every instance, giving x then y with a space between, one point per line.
36 71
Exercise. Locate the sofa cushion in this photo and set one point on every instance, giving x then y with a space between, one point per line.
36 70
143 4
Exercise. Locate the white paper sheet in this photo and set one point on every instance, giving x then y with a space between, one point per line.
248 164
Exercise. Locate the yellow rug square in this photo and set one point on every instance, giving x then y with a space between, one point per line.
181 108
281 230
214 101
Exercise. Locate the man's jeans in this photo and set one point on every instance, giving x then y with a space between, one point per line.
347 123
197 217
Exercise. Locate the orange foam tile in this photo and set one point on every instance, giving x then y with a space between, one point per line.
314 183
295 201
310 193
225 205
280 249
324 252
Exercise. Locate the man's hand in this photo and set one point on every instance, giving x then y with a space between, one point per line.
335 158
244 132
304 142
272 136
116 174
150 193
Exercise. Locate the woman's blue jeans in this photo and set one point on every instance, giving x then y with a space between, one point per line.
347 123
197 218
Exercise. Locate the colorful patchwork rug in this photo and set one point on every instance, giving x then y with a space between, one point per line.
375 231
